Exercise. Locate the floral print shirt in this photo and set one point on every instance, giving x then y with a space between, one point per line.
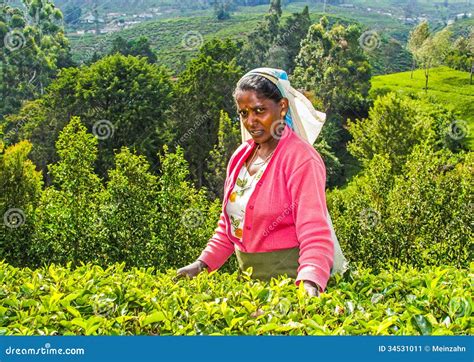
243 188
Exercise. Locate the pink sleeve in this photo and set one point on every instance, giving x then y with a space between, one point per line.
307 189
219 248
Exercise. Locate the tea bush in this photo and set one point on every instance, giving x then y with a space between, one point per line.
421 217
89 300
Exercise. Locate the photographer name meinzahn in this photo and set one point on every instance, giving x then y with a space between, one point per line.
448 349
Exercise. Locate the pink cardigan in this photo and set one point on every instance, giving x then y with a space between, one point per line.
286 210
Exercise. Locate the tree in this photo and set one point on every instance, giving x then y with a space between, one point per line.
131 209
221 9
255 50
120 99
333 71
395 125
68 226
382 218
21 190
228 139
289 38
461 55
202 91
185 218
137 47
332 65
417 37
433 51
32 49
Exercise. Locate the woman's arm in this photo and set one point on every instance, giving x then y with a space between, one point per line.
219 248
306 186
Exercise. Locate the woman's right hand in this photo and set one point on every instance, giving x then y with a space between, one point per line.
191 270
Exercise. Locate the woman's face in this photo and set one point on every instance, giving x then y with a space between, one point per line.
260 116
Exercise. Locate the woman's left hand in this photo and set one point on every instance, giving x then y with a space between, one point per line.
311 288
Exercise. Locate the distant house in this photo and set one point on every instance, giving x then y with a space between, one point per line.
91 19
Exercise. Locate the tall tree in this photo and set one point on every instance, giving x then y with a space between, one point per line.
417 37
333 66
139 47
32 49
120 99
434 51
202 91
228 139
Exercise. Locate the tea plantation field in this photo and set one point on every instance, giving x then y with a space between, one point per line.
89 300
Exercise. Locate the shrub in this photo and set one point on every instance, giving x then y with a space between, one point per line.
396 124
21 190
90 300
68 224
421 217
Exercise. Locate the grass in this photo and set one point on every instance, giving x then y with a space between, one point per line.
447 86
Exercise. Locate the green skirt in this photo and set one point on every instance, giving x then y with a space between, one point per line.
266 265
285 261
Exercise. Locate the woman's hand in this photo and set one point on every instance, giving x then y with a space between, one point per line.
311 288
191 270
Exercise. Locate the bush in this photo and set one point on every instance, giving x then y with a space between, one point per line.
421 217
21 190
68 224
89 300
130 209
396 124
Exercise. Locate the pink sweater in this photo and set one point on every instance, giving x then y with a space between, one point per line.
286 210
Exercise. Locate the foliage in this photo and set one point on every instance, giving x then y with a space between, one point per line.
461 55
228 139
89 300
32 49
68 227
332 65
184 221
405 218
136 47
447 87
273 43
121 99
202 91
130 209
396 124
21 189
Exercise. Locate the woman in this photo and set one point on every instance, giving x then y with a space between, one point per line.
274 214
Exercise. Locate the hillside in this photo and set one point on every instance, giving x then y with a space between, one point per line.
447 86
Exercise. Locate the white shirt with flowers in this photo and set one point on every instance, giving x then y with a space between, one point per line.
239 197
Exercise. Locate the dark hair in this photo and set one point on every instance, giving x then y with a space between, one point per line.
260 85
